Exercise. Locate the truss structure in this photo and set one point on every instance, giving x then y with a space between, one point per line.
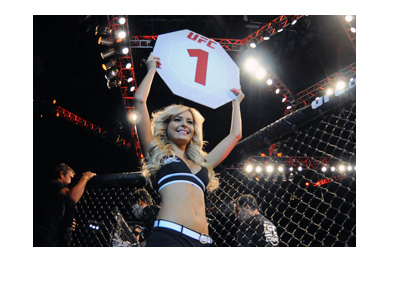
127 81
233 45
306 96
92 128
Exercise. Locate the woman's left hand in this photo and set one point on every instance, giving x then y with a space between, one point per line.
239 94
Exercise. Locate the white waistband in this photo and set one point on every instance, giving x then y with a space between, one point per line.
202 237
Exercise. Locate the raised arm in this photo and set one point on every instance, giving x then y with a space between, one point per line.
143 122
222 150
75 194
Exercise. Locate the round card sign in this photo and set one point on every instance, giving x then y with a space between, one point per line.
196 68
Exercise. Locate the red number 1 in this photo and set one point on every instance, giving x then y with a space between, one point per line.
201 67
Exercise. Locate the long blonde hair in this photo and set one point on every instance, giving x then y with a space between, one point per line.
160 146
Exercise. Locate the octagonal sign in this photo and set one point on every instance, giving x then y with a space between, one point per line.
196 68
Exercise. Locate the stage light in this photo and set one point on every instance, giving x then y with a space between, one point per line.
324 169
104 30
125 50
132 88
121 34
307 184
269 169
349 168
253 45
260 73
114 83
349 18
249 168
333 169
111 74
283 99
109 64
280 30
122 20
341 168
107 53
294 22
266 38
340 85
277 91
129 79
300 168
291 169
353 30
251 64
132 116
289 107
329 91
269 81
54 101
258 169
105 42
128 65
280 169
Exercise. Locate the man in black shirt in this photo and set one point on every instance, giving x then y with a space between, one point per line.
53 218
144 210
255 229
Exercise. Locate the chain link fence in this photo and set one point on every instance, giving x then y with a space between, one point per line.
301 170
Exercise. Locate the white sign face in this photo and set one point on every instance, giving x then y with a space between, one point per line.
196 68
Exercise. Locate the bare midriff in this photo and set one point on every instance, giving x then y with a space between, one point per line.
183 203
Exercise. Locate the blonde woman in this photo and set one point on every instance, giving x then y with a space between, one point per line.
172 144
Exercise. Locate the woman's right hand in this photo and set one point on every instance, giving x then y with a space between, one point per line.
152 63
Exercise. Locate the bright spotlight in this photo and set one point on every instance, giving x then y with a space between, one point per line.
324 169
260 73
122 20
249 168
125 50
341 168
266 38
121 34
251 64
133 116
258 169
349 18
269 81
269 168
277 91
329 91
333 169
340 85
284 99
300 168
353 30
253 45
291 169
280 169
349 168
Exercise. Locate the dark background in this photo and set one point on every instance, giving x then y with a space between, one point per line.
67 67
